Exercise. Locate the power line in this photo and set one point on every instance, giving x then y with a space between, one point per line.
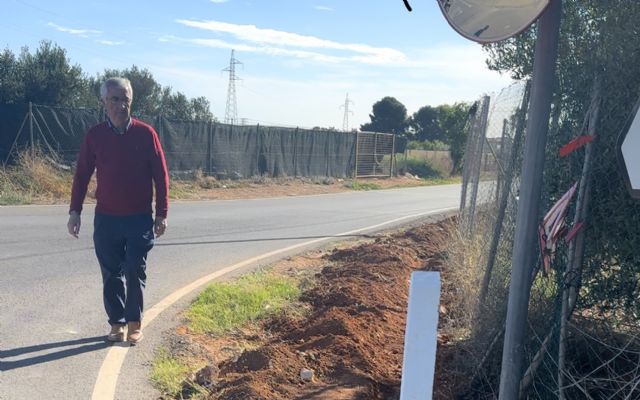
345 119
231 110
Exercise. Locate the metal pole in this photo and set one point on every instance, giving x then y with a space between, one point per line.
210 127
355 172
500 173
393 155
466 165
504 199
295 153
530 188
572 274
375 154
33 145
482 134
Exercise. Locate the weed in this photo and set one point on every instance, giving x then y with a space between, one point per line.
171 377
359 185
34 177
226 306
421 168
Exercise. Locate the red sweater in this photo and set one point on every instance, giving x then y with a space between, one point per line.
127 165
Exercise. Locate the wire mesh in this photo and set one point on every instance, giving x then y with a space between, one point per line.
588 302
222 150
375 152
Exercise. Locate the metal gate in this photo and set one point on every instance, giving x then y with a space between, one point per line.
375 155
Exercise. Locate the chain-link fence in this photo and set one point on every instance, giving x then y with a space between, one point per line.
582 334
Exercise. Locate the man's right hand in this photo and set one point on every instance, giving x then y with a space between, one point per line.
74 224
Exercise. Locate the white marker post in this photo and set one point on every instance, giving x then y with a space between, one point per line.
628 145
420 339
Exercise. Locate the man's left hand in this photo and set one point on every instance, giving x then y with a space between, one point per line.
159 226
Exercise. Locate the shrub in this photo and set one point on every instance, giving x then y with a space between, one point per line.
421 168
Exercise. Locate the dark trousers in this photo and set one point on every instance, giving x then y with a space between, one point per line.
121 245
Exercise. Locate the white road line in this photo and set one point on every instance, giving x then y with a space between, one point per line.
105 387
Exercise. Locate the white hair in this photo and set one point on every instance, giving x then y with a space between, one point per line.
118 82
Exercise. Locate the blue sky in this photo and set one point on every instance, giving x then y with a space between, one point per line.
299 58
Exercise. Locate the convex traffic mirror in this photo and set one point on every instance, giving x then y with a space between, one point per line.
488 21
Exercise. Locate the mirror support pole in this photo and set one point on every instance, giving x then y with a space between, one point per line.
524 246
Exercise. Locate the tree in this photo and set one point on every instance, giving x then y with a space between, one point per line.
11 88
48 78
425 124
176 106
389 116
201 109
151 98
452 120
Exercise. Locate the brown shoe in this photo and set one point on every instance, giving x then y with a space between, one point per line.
117 333
134 333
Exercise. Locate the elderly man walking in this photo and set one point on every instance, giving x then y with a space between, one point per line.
129 163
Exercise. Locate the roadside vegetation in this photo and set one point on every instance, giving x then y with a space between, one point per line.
169 375
36 178
226 308
421 168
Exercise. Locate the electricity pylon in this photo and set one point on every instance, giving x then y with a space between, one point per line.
345 119
231 110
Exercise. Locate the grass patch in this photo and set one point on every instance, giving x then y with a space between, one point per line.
359 185
172 377
443 181
226 306
167 374
9 194
34 177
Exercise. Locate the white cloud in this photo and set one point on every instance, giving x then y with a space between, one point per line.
218 1
272 51
263 37
79 32
109 42
323 8
440 74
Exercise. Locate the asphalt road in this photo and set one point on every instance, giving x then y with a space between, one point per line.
52 323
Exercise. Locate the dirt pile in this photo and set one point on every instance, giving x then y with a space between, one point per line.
352 338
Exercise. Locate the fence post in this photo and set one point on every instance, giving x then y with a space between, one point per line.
31 140
210 130
545 55
375 154
295 153
501 156
504 199
393 155
355 171
258 149
482 132
326 153
466 164
576 249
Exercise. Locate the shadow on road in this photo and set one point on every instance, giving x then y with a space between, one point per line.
263 240
86 345
22 256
